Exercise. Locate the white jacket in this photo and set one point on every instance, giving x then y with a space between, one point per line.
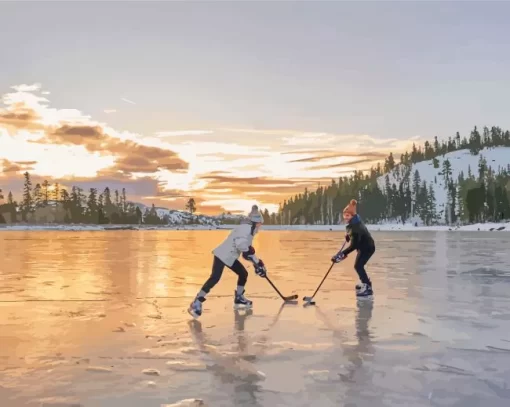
238 241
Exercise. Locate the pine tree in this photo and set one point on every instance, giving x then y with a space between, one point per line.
139 215
482 168
10 199
388 191
416 192
117 200
27 196
475 142
429 151
191 206
92 206
56 192
431 204
1 195
447 171
38 197
423 203
64 196
46 193
266 216
123 200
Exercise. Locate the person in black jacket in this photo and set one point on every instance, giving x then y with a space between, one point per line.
361 240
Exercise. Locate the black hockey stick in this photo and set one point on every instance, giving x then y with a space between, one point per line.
286 299
309 300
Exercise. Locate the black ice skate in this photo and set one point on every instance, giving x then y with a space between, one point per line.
195 308
240 301
364 291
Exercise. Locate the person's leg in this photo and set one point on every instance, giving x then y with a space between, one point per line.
242 278
214 278
365 289
362 258
195 308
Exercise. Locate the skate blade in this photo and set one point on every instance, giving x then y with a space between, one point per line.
193 313
365 298
243 306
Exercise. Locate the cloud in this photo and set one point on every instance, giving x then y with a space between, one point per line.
348 164
180 133
128 101
268 132
108 111
259 181
27 88
309 139
269 190
20 117
17 166
69 142
320 157
131 156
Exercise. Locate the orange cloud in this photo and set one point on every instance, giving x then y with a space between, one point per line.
17 166
20 116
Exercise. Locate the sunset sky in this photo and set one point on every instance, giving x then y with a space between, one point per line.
238 103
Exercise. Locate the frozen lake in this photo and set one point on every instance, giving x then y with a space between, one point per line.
83 315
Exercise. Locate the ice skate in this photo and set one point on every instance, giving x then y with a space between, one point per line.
364 292
241 302
195 308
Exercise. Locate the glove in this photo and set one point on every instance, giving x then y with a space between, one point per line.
249 254
260 269
337 258
347 238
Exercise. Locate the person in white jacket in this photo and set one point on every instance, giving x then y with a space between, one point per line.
227 254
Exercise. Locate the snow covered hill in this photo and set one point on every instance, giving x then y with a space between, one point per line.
176 217
461 161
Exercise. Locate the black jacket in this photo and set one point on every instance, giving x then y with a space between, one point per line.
359 236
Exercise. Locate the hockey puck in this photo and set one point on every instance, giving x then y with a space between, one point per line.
312 303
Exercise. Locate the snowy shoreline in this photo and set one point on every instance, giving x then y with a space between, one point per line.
389 227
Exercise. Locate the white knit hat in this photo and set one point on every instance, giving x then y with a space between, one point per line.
255 216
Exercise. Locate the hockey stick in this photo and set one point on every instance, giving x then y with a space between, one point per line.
286 299
309 300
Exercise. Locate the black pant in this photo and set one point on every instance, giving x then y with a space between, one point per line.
217 271
359 264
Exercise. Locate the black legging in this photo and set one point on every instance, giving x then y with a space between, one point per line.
359 264
217 271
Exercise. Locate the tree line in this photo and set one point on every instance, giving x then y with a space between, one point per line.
480 195
77 206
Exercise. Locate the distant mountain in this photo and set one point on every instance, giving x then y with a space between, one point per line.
176 217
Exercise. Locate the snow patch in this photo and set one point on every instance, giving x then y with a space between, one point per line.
461 161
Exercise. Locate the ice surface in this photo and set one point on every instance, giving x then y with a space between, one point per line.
437 333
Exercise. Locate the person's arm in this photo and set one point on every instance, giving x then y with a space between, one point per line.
242 243
354 238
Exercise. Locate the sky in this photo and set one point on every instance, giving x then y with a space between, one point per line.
236 103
